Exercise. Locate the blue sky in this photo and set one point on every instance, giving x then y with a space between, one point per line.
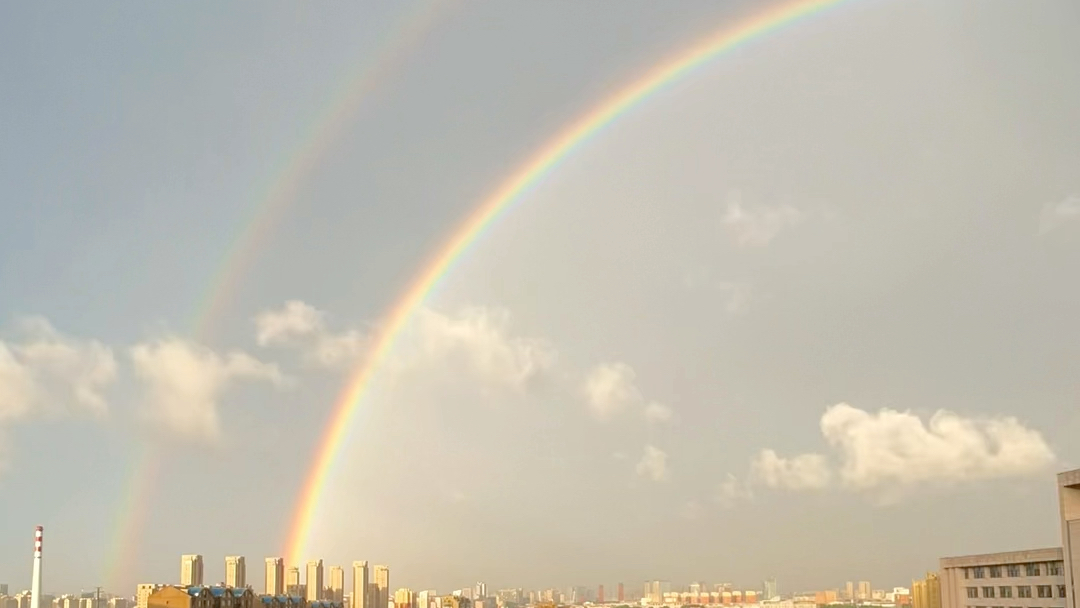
815 299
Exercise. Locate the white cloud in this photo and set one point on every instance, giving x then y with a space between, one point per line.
803 472
890 451
184 383
658 412
732 490
653 464
757 228
892 447
610 388
300 325
46 372
479 340
1056 214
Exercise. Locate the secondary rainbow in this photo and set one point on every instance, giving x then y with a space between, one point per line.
510 192
271 202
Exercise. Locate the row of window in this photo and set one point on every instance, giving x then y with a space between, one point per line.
1021 591
1014 570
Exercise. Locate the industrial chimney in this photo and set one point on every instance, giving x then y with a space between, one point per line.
35 584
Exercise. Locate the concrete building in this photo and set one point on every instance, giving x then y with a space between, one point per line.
382 583
862 594
275 576
404 598
314 580
337 585
293 588
1018 579
360 583
191 570
1069 497
926 593
235 571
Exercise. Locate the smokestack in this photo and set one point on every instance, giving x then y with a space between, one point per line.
35 583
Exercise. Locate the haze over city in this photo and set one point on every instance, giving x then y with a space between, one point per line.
803 308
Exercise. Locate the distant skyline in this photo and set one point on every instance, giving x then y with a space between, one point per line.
815 298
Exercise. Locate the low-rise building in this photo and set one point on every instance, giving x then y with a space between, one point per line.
1019 579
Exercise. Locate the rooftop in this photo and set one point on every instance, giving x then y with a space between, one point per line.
1051 554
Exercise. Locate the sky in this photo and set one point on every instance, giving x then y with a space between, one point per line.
809 312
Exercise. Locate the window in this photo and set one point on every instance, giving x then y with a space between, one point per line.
1032 569
967 572
1023 591
1055 568
995 571
978 572
1045 591
1013 570
973 591
1005 591
989 591
1061 590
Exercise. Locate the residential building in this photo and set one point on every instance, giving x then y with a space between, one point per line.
1069 497
1019 579
771 589
337 584
862 594
314 580
191 570
360 585
404 598
849 591
621 594
142 594
293 588
382 584
235 571
275 576
926 593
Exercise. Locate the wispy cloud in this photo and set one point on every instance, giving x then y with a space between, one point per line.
302 326
1056 214
653 464
757 227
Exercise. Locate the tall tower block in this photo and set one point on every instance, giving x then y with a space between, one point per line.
35 583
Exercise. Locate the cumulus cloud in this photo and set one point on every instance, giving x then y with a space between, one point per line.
893 447
658 413
610 388
184 383
653 464
803 472
46 372
1056 214
758 227
888 451
479 339
301 325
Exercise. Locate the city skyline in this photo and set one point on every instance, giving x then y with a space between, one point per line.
603 291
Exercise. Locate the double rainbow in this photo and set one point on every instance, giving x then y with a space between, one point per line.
505 197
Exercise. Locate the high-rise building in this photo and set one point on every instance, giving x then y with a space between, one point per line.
480 590
403 598
360 584
292 582
235 571
1069 499
622 594
863 592
314 580
191 570
770 589
600 595
275 576
337 584
382 582
849 591
142 594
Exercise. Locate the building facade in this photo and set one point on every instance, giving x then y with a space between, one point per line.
337 584
927 592
1017 579
314 580
191 570
1069 496
275 576
360 582
235 571
382 583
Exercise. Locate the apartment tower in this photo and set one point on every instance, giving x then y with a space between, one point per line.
314 580
382 584
360 584
337 584
191 570
275 576
235 571
292 582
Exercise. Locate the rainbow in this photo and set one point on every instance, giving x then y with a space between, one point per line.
510 192
272 202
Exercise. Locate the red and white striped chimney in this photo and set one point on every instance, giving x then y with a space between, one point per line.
35 583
